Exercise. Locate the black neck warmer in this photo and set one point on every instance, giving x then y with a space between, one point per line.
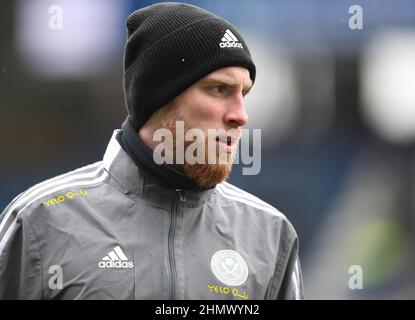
166 175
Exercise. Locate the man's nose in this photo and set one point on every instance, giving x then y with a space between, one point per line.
236 115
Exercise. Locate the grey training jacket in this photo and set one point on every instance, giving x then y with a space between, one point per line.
106 231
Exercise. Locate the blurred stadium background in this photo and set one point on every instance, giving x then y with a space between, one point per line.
336 107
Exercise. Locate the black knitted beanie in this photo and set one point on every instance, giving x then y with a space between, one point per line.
171 46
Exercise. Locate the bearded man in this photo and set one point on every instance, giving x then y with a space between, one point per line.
129 227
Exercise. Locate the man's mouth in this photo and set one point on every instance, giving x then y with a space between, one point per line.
226 143
225 140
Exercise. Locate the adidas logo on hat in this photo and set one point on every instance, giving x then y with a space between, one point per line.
230 40
116 259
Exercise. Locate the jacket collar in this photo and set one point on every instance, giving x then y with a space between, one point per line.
133 181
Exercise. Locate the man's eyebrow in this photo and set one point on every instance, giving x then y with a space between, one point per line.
228 82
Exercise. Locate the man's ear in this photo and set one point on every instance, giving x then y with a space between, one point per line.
164 114
158 119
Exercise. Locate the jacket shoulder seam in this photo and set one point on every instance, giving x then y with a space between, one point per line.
248 199
89 175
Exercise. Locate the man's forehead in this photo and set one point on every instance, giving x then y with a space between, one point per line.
232 75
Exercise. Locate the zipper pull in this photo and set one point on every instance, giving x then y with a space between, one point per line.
181 195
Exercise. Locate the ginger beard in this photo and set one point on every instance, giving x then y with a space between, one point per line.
205 174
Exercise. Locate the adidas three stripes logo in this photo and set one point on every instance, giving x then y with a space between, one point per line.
115 259
230 40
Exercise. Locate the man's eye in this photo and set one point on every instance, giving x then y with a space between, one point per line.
219 89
